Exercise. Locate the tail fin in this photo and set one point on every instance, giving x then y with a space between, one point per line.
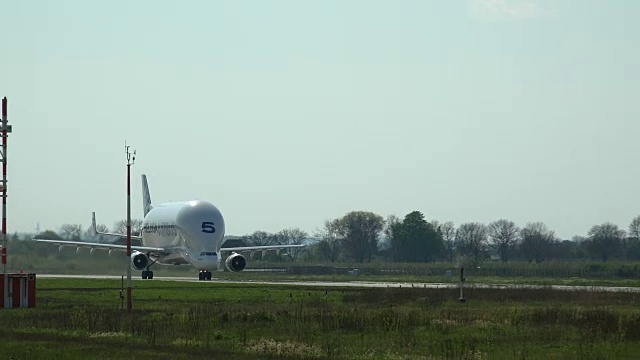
94 230
146 198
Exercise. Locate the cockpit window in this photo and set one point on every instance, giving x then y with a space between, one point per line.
207 253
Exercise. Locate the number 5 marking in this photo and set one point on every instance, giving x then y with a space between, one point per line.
207 227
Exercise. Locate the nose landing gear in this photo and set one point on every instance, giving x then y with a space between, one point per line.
204 275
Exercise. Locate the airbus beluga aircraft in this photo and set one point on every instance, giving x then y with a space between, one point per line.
177 233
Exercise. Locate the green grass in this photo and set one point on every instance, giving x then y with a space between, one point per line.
79 319
498 280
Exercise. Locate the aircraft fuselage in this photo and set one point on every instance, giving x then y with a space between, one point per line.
194 229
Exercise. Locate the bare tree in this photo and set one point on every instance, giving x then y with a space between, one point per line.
391 234
293 236
504 235
634 228
120 227
100 228
71 231
448 231
435 224
329 245
536 241
261 238
471 239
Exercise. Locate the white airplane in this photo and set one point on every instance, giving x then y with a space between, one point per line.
177 233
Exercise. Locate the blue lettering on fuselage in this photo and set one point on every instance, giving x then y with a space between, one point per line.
162 229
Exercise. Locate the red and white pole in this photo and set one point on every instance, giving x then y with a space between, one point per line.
4 201
129 163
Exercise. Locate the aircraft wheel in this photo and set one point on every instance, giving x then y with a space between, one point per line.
200 276
144 274
208 275
149 274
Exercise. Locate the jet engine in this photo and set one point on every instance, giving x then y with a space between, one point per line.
139 261
235 262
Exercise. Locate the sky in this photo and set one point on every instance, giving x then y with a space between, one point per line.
288 113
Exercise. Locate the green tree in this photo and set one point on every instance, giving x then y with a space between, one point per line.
605 240
46 249
359 232
415 240
565 250
49 235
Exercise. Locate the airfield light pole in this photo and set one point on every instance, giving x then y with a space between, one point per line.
5 130
131 158
4 201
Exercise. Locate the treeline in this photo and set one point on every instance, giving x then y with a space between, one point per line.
361 236
358 235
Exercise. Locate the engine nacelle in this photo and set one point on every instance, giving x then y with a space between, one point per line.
235 262
139 261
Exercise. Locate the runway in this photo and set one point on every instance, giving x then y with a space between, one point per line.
364 284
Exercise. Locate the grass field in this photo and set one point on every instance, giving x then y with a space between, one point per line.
79 319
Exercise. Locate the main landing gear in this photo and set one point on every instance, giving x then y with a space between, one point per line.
204 275
147 274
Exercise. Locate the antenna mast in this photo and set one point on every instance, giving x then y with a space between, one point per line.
131 158
6 129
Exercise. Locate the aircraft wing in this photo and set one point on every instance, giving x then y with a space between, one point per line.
103 246
265 248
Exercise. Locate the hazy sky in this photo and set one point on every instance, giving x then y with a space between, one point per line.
288 113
